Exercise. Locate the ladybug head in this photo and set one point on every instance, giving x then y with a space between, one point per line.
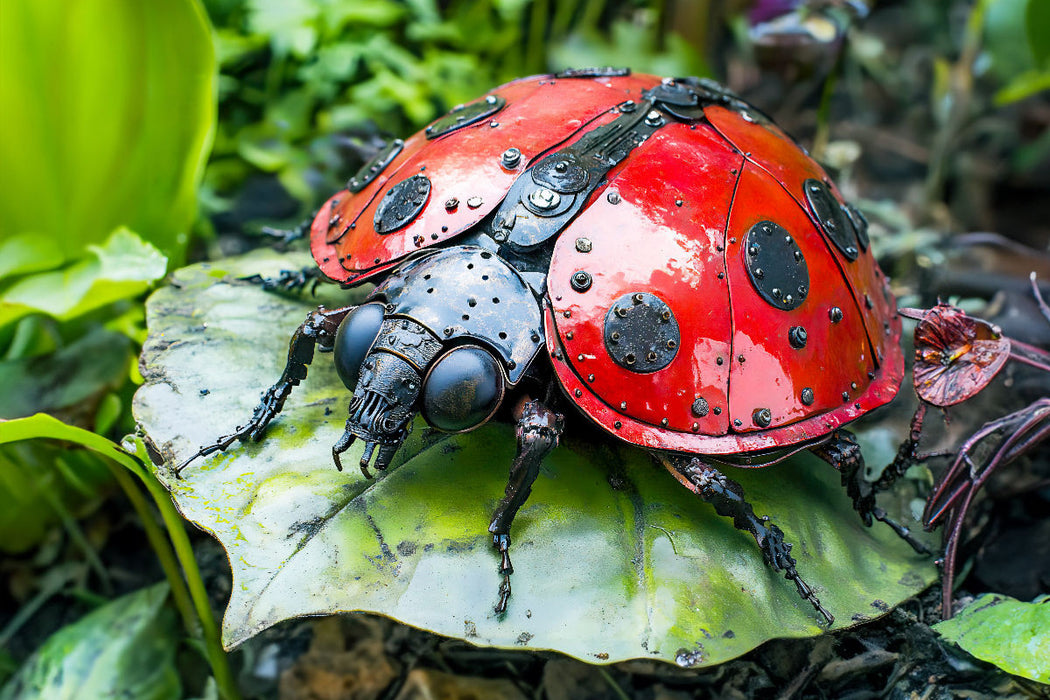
426 343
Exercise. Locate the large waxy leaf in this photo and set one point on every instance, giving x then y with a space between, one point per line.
108 114
125 649
1012 634
613 558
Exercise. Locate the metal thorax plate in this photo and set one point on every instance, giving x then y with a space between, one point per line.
776 266
465 292
370 170
464 115
548 195
401 204
594 72
832 217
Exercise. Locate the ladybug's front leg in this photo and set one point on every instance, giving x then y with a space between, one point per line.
538 431
319 328
843 453
727 497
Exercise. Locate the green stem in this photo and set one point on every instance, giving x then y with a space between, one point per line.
161 548
184 551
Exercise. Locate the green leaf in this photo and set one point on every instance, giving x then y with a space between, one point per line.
115 109
1037 22
28 252
1012 634
123 267
38 481
126 648
613 558
84 369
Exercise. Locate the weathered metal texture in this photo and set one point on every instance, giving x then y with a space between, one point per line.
467 292
765 145
663 235
768 370
374 167
466 170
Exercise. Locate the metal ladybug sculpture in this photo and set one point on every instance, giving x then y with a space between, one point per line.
656 249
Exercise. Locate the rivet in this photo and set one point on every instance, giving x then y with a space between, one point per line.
544 198
740 358
613 197
623 405
856 406
737 422
444 229
663 422
651 357
835 314
696 427
871 375
581 281
721 275
678 202
719 360
732 241
579 358
614 336
493 124
798 336
629 358
590 377
567 314
672 344
853 386
451 203
448 330
654 118
578 393
759 273
699 407
807 396
867 302
621 311
583 245
762 417
637 298
717 410
845 396
474 202
569 335
617 425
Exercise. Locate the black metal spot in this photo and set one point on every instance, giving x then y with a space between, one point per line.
700 407
370 170
835 314
617 425
845 396
737 422
807 396
775 264
717 410
401 204
581 281
797 336
719 360
637 329
762 417
831 217
464 115
562 172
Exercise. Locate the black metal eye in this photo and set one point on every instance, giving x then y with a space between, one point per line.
463 389
354 339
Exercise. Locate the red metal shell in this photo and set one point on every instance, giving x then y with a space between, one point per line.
735 351
463 165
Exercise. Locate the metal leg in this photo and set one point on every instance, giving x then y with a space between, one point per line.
319 328
727 498
538 431
843 453
289 280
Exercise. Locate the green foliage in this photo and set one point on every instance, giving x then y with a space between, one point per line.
643 569
1021 66
126 648
114 113
1012 634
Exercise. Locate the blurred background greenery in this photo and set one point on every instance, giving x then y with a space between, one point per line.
138 136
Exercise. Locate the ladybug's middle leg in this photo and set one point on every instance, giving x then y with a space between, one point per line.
727 497
318 329
538 431
843 453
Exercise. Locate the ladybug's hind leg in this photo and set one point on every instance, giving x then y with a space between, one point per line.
319 328
538 431
843 453
727 497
